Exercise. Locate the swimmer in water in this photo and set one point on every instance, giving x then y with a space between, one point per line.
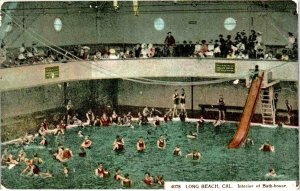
118 175
248 141
161 142
118 144
156 121
177 151
141 145
66 171
168 115
182 116
192 135
196 155
200 123
160 180
80 134
271 173
87 143
126 182
101 171
148 179
267 147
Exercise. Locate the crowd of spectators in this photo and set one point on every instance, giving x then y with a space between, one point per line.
239 46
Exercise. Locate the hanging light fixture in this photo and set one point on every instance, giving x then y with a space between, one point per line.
135 7
116 5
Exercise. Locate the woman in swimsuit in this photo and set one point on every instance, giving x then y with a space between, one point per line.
126 182
101 171
104 120
148 179
118 144
161 142
87 143
118 175
114 118
44 141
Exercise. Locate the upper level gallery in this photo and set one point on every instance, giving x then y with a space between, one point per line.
140 69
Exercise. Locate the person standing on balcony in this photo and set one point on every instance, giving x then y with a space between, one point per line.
169 44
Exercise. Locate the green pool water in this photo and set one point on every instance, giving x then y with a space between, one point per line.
218 162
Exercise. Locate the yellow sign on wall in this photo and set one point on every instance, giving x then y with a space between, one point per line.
225 68
52 72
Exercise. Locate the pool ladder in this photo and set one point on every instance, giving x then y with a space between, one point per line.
267 105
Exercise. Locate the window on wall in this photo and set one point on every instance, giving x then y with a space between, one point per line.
159 24
57 24
229 23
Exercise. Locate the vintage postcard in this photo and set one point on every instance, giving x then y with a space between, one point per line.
164 95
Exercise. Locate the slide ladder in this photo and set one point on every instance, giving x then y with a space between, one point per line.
268 106
249 109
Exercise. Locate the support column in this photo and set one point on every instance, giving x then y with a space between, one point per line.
192 98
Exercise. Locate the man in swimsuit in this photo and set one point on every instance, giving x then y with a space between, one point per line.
196 155
222 108
177 151
182 100
182 116
70 112
271 173
289 111
267 147
175 102
256 73
200 123
146 113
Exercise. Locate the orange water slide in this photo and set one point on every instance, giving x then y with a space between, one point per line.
249 109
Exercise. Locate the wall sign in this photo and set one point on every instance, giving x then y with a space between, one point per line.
225 68
51 72
192 22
